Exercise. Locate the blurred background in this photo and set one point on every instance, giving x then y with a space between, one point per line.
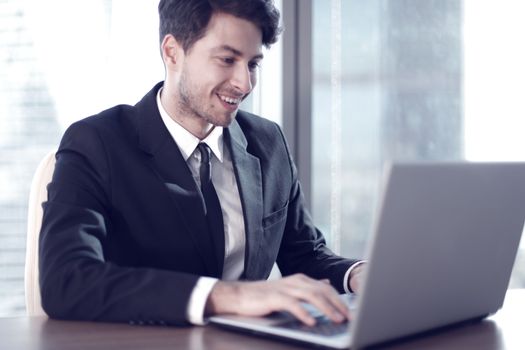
354 84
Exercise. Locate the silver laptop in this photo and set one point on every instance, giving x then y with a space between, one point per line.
443 248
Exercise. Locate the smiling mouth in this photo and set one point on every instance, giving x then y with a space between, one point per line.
233 101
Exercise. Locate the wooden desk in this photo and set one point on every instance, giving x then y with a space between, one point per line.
505 330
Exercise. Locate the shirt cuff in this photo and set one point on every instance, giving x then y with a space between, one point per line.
198 298
346 280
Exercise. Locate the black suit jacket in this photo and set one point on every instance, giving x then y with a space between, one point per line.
124 237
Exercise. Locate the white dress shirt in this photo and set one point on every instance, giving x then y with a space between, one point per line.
225 184
223 177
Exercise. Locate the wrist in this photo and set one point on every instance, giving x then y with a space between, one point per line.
354 278
222 298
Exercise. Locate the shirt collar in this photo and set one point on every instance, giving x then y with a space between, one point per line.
185 140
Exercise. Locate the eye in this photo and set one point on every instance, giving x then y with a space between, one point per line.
252 66
227 60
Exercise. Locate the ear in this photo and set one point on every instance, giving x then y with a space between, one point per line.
172 52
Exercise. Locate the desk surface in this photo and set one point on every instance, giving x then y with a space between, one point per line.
504 330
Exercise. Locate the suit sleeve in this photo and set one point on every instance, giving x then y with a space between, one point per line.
76 281
303 248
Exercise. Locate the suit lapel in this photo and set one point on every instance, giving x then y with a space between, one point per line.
248 175
170 166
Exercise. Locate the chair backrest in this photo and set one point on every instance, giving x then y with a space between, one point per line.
37 196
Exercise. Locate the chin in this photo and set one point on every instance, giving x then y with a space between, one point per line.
223 121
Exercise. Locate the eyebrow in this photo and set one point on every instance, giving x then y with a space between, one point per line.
235 52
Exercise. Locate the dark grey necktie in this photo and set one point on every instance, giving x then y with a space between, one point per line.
213 207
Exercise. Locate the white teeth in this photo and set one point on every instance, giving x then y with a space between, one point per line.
230 100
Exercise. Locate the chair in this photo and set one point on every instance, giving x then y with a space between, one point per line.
37 195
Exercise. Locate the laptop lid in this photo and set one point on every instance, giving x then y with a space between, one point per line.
443 247
445 240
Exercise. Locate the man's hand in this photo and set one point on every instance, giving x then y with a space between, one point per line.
356 278
286 294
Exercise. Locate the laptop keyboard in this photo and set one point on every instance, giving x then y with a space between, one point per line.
323 326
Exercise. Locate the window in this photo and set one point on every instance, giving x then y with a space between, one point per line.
408 80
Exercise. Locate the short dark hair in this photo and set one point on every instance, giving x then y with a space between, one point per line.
187 20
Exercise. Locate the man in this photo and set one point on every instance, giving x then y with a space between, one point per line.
136 229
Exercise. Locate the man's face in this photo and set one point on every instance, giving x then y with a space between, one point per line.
219 70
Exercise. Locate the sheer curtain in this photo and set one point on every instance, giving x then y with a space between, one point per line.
409 80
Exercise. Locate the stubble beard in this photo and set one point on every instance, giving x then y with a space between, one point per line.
192 103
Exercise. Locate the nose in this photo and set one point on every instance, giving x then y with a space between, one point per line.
243 79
